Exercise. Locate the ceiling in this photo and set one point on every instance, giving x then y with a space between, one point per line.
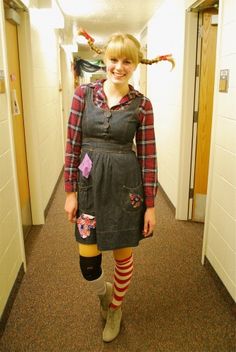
101 18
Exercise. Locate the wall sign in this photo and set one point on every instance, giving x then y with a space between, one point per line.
224 81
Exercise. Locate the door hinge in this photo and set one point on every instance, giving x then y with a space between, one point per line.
191 192
200 31
197 73
195 116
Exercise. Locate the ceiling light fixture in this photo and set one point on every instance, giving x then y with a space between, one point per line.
80 8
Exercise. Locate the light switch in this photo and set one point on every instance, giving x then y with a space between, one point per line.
224 81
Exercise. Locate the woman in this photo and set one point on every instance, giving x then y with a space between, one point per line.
111 190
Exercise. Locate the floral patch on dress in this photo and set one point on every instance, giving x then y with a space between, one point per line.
86 166
135 199
85 223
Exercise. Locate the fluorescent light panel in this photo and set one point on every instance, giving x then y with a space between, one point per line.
80 8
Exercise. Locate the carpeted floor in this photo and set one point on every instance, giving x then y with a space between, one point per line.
174 303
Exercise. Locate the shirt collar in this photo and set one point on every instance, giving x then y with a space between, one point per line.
100 95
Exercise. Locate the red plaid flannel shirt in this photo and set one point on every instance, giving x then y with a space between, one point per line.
145 138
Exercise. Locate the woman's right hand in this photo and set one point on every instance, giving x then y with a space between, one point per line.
71 206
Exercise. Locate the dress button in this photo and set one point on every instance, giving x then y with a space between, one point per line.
107 113
106 125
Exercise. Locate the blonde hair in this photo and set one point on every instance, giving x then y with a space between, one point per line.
125 45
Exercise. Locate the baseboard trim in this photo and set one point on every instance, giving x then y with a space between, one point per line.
11 299
53 194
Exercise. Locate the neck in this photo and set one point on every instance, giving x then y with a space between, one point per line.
115 90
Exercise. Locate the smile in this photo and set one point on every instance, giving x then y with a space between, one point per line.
118 75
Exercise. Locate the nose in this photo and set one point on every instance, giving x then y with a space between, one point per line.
119 64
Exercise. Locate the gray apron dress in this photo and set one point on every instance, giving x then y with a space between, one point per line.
110 199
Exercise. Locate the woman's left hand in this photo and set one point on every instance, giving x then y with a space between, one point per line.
149 221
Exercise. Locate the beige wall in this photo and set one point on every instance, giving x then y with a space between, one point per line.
47 109
67 81
166 36
220 228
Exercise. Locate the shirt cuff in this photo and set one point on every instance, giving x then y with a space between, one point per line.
71 187
150 202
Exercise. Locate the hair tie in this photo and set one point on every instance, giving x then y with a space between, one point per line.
169 58
83 32
90 40
164 57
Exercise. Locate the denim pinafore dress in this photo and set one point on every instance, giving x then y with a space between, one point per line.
110 199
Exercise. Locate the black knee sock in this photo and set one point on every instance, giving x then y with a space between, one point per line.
92 272
91 267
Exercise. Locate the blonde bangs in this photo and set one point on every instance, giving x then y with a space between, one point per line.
121 46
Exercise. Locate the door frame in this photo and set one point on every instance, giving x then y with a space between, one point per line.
18 123
30 125
11 135
206 53
190 61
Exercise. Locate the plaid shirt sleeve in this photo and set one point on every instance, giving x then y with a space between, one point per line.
146 152
73 142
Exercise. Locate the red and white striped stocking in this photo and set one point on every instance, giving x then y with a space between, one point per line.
122 278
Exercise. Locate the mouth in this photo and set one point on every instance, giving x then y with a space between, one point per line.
118 75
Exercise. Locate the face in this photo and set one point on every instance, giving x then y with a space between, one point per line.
119 70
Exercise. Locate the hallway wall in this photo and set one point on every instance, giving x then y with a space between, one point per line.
166 36
67 82
47 108
220 225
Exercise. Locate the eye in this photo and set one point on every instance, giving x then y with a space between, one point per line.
113 59
127 62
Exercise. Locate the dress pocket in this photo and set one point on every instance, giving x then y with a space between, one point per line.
85 199
132 198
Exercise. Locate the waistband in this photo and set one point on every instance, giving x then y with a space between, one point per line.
109 147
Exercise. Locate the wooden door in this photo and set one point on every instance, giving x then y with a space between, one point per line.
205 108
18 124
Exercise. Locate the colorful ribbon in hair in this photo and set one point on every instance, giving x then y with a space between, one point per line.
169 58
83 32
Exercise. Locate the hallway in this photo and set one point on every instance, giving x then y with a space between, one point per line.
174 303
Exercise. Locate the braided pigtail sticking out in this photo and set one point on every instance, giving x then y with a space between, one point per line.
157 59
90 41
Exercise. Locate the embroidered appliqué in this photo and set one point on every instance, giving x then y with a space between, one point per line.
135 199
86 166
85 223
